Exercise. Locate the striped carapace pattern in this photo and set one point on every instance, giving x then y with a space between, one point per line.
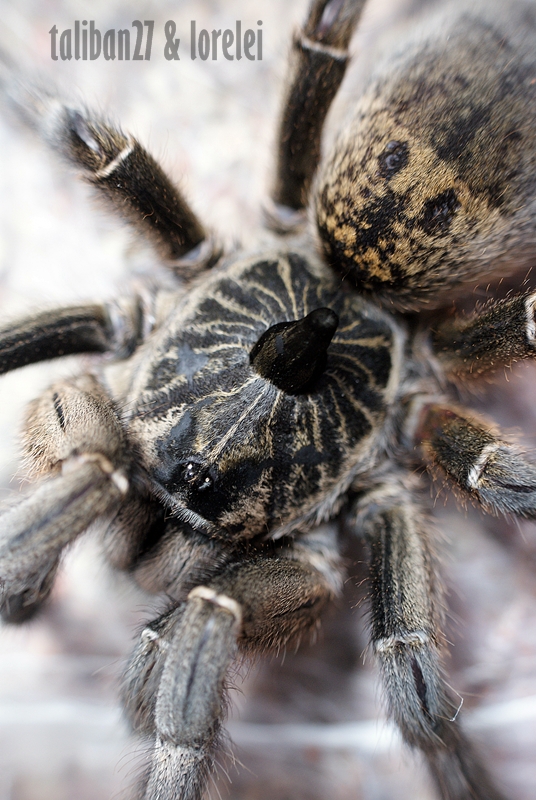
231 452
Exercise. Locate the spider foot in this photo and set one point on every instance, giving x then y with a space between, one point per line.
76 443
406 618
35 531
175 683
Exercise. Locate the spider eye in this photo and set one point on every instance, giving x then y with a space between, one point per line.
197 476
190 476
191 471
206 483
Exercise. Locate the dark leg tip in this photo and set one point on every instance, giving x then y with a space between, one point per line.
19 608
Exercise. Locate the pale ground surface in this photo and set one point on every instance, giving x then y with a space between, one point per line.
61 734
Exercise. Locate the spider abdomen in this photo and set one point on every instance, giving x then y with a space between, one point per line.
431 184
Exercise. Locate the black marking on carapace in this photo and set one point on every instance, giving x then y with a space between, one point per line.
309 455
174 449
194 416
224 490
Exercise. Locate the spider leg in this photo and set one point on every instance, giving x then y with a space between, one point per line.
116 327
183 693
471 453
180 559
496 335
74 436
319 60
163 554
122 172
174 684
406 617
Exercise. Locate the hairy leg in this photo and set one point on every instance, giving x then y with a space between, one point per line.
75 443
122 172
498 334
174 685
406 618
163 554
96 328
474 456
319 60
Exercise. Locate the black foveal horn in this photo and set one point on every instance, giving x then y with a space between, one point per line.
293 354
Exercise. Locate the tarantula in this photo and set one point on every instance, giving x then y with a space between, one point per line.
268 392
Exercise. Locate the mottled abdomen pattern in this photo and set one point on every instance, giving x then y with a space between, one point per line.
433 182
230 451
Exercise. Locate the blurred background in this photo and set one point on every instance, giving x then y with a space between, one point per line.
309 726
